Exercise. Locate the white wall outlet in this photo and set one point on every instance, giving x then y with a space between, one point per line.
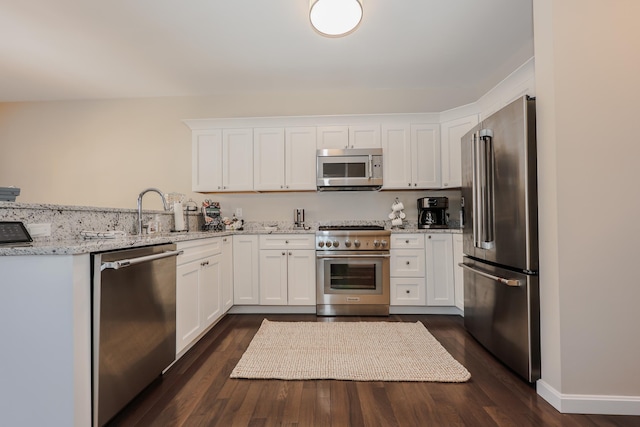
239 212
39 230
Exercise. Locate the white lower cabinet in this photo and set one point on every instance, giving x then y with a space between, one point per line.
407 268
440 284
198 289
458 274
287 269
246 287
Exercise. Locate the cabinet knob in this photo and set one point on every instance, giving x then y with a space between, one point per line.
219 188
224 240
428 237
408 291
415 185
286 241
407 262
289 253
407 241
409 184
283 253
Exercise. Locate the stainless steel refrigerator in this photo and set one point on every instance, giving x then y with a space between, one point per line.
500 237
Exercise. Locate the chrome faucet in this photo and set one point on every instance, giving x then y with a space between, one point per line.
164 203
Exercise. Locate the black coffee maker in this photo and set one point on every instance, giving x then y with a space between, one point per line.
432 212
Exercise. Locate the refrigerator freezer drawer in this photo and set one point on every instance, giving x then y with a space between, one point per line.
501 312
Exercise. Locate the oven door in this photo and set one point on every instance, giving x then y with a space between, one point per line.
352 282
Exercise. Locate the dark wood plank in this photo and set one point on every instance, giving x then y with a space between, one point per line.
197 390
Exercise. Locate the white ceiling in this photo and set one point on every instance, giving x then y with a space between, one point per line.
87 49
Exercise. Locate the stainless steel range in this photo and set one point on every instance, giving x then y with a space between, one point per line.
352 270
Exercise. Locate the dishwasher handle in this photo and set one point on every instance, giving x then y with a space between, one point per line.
508 282
115 265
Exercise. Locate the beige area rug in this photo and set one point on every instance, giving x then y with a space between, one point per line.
359 351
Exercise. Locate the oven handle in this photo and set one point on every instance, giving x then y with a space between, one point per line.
353 256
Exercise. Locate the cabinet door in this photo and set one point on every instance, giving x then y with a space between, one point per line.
300 158
407 291
188 320
451 134
227 273
273 277
268 158
407 263
367 136
237 157
206 163
458 273
440 287
332 137
396 146
246 285
210 290
301 277
425 155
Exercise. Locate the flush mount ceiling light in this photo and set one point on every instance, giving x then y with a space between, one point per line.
335 18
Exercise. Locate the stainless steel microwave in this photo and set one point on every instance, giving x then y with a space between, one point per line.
349 169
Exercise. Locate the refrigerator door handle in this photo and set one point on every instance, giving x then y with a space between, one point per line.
483 212
508 282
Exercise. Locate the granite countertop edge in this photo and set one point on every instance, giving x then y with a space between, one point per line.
78 246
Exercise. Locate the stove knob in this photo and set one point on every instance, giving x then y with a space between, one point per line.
356 243
384 243
347 243
320 244
328 244
336 243
376 243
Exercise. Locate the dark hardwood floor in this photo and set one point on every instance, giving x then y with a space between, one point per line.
197 390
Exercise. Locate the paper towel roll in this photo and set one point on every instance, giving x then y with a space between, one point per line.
178 216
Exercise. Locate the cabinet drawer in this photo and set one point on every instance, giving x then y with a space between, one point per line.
288 241
408 291
407 241
407 263
200 248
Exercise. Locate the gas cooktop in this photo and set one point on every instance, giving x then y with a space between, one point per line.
350 227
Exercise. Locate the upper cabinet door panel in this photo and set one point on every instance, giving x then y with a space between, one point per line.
367 136
452 133
332 137
425 155
268 157
300 158
396 150
206 160
237 155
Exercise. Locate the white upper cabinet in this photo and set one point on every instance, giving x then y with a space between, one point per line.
366 136
425 155
206 160
222 160
452 132
411 156
284 159
356 136
268 157
300 158
237 154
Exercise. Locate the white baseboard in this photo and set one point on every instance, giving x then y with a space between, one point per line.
588 404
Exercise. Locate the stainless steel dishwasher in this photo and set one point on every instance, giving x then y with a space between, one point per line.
134 324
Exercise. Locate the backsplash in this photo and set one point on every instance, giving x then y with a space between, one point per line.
68 221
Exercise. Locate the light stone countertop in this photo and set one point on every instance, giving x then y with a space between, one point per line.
82 246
